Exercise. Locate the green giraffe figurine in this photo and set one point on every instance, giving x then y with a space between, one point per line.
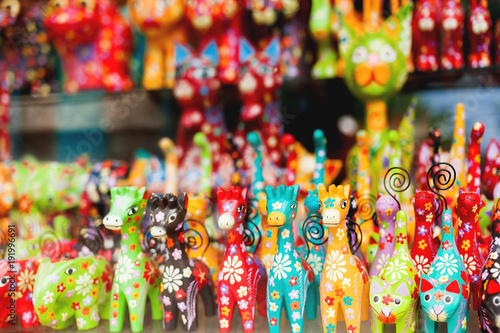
136 276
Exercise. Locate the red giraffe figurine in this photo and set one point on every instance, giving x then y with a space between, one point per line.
423 250
474 158
242 273
259 84
94 43
425 35
479 28
467 210
452 34
219 21
490 175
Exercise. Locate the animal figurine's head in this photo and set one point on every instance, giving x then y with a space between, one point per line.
103 177
9 10
7 190
197 81
311 203
387 208
491 172
375 56
281 205
127 208
441 298
232 206
198 207
390 302
167 213
74 21
468 206
154 17
259 77
334 204
209 15
492 301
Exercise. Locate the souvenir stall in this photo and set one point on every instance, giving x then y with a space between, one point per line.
300 165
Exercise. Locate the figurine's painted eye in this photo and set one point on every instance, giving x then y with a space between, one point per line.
343 204
448 299
359 55
293 206
387 54
70 271
320 206
151 217
240 208
376 299
397 301
172 217
133 210
496 300
427 297
4 281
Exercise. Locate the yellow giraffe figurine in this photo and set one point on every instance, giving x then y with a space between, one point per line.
344 287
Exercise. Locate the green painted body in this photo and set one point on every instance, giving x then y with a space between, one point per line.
76 290
319 25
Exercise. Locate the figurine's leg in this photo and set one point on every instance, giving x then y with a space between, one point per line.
459 322
136 313
208 298
226 309
105 306
376 324
329 312
295 310
117 312
408 323
275 307
170 313
247 314
365 302
352 319
154 298
428 325
311 301
261 295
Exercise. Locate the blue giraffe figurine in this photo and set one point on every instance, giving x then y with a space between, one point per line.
291 282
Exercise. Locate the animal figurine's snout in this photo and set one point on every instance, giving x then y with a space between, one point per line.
226 221
113 222
158 232
276 219
331 217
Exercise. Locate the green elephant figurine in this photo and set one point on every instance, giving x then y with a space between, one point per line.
78 288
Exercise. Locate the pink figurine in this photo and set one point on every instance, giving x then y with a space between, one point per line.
94 44
425 35
467 210
474 158
423 250
479 29
452 34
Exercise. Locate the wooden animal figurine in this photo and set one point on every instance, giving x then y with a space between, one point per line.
325 66
425 35
196 91
423 251
242 276
489 176
259 84
474 158
394 292
480 33
467 210
183 278
344 280
444 290
387 208
452 34
163 26
136 276
72 290
292 283
94 44
489 294
17 295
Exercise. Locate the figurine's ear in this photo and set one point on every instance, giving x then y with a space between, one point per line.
155 199
376 286
272 51
182 199
379 195
402 289
347 190
246 51
211 52
322 191
478 191
244 193
270 192
460 191
181 54
493 287
453 287
221 193
143 193
398 26
425 285
295 193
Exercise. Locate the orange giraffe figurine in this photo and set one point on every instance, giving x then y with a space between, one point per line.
344 281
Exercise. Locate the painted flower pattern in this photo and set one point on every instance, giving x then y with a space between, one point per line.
316 263
26 280
422 264
396 269
335 269
470 263
84 284
447 264
124 269
232 269
172 278
281 266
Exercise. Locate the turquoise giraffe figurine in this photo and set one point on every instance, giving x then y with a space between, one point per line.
291 283
311 230
136 276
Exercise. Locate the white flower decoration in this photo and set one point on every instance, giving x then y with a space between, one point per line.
172 278
232 269
281 266
335 269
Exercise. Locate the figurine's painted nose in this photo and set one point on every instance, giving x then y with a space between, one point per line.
438 309
373 59
226 221
113 222
158 231
276 219
386 311
331 217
